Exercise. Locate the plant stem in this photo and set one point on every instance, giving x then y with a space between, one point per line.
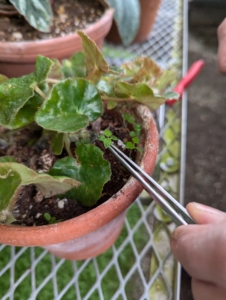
67 144
52 80
37 89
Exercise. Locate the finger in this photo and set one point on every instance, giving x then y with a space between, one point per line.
202 290
203 214
221 33
201 251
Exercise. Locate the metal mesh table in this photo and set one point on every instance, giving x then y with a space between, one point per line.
139 265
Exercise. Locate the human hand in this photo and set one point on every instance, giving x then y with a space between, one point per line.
201 249
221 33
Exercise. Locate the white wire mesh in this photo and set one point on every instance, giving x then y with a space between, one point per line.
139 265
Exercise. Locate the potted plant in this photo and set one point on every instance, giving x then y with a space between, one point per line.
39 28
56 126
133 20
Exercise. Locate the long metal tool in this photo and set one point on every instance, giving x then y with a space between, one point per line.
170 205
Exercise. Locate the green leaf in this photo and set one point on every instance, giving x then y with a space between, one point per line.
132 133
75 66
138 129
129 118
92 170
168 79
56 71
107 133
70 107
6 217
7 159
24 117
142 69
114 138
10 180
106 86
135 140
27 113
111 104
42 68
14 94
139 149
139 92
95 62
127 17
107 142
14 175
47 216
3 78
38 13
57 143
130 145
101 138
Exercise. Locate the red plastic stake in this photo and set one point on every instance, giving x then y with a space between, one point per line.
192 73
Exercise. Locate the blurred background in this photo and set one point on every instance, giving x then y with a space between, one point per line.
206 127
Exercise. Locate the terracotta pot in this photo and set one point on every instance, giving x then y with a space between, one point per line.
18 58
149 10
93 232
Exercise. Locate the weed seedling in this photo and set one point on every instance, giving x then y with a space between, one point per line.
134 134
51 220
107 138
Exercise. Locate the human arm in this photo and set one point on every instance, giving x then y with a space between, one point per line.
201 249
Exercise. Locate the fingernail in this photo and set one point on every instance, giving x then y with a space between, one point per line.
207 209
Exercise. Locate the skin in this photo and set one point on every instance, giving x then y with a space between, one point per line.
201 249
221 34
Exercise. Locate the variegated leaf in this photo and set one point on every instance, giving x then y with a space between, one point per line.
38 13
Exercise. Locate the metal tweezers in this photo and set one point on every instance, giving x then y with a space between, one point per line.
170 205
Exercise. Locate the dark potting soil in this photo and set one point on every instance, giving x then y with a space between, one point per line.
31 149
69 16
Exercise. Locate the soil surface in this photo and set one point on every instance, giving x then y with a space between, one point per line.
33 150
206 129
68 16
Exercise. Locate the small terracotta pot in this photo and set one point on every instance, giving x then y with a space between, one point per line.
93 232
149 10
18 58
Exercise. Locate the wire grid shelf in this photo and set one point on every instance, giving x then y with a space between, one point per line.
139 265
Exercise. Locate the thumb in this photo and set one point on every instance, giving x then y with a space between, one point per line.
201 248
203 214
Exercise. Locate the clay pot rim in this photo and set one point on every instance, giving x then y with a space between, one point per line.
17 55
81 225
88 30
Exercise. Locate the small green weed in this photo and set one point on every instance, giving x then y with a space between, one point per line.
134 134
50 219
107 138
